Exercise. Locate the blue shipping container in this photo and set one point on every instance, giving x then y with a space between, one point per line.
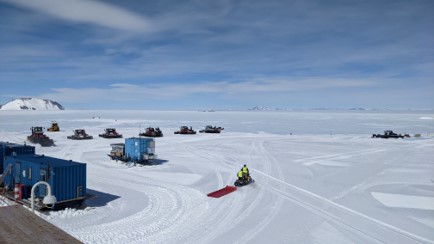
9 149
67 179
139 149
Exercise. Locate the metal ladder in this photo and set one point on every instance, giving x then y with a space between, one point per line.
2 177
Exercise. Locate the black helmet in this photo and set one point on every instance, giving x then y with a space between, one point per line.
245 166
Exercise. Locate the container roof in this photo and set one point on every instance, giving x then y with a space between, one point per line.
9 144
117 144
42 159
140 138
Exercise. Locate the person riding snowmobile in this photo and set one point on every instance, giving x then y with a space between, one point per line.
240 175
245 171
243 177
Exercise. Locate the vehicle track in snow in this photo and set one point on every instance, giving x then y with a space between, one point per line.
336 156
165 208
240 213
372 180
98 216
224 209
168 209
69 151
350 219
200 219
236 214
269 162
164 212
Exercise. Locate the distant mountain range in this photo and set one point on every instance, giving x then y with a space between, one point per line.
259 108
32 104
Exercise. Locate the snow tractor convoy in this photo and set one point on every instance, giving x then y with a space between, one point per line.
389 134
38 137
80 134
211 129
110 133
152 132
54 127
184 130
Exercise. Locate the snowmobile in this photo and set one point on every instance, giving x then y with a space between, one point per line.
151 132
80 134
54 126
247 180
228 189
211 129
185 130
38 136
110 133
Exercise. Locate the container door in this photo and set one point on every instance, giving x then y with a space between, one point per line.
151 147
43 173
18 172
137 150
80 192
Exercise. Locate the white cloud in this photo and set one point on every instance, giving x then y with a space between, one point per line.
172 91
86 11
228 48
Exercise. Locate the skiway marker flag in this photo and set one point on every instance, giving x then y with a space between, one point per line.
224 191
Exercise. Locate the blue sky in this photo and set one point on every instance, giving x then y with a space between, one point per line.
202 54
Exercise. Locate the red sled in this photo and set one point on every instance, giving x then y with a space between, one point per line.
224 191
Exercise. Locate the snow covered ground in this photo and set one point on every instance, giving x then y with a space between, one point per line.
319 177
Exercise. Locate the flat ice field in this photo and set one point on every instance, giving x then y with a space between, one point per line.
319 177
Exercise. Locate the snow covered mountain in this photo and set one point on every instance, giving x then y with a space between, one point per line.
32 104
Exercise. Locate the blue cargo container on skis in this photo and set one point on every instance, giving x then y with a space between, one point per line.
67 179
134 150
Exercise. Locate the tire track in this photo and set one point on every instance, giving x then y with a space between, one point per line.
165 210
343 215
316 159
236 213
221 217
269 163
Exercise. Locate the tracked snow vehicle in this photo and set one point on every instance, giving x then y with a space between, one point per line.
152 132
110 133
184 130
80 134
211 129
54 126
38 137
388 134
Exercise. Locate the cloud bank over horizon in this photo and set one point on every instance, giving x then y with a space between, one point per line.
225 54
